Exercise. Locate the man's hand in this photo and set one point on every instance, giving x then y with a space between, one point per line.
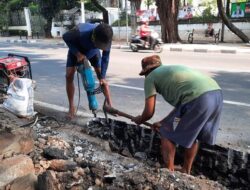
80 57
103 82
156 126
137 119
106 91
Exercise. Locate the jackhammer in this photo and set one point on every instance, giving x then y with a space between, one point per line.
88 81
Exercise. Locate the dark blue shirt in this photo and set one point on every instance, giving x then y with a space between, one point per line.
80 41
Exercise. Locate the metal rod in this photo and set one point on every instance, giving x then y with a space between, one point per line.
114 111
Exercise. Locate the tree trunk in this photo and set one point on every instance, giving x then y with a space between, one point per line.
229 24
168 12
113 3
47 28
135 6
104 11
228 8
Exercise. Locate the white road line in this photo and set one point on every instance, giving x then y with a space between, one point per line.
214 69
128 87
141 89
236 103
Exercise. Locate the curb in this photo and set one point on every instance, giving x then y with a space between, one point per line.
59 112
59 43
166 47
120 46
197 50
205 50
22 41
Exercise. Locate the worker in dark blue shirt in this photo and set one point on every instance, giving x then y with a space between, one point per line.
85 42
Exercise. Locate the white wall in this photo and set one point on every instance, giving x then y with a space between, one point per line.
57 31
113 14
228 35
27 27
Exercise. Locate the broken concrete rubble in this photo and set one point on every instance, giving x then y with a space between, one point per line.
28 182
92 164
62 165
15 167
229 167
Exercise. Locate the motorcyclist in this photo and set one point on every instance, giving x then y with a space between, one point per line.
145 33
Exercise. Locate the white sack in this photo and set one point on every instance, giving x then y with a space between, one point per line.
20 97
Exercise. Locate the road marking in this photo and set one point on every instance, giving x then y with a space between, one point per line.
141 89
214 69
236 103
128 87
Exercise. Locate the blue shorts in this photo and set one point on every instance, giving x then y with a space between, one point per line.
94 58
195 120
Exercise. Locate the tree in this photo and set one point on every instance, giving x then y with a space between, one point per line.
6 6
189 2
148 3
50 8
4 14
104 11
135 6
168 12
113 3
229 24
211 6
228 7
88 5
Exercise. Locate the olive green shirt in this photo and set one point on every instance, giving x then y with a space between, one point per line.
178 84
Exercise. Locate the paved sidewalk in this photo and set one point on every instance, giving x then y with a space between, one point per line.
231 48
210 48
202 48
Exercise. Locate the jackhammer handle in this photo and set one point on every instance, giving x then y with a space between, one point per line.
132 117
113 111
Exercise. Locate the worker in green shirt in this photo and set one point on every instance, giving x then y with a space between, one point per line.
197 100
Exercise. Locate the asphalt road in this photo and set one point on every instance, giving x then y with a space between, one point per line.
231 71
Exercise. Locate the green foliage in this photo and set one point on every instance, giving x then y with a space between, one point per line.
149 2
207 12
190 2
4 13
34 8
208 3
91 7
6 7
49 8
200 20
18 33
210 7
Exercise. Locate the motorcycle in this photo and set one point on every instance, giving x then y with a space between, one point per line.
136 43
